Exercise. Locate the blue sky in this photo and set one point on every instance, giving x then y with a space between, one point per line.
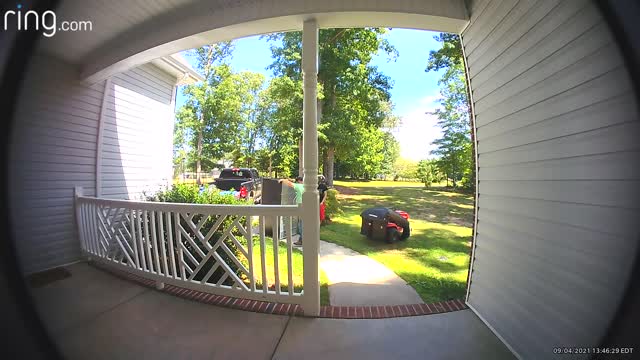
414 91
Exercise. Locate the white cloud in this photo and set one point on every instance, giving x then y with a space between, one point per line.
418 130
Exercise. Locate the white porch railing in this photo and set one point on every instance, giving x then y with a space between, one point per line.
165 241
219 249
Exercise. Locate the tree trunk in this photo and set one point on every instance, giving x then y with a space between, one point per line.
322 147
333 97
319 113
325 164
328 166
455 175
329 155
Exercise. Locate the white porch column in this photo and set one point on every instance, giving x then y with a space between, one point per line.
310 204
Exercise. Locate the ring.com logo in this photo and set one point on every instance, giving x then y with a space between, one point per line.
47 21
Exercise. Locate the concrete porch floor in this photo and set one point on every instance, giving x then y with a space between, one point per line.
95 315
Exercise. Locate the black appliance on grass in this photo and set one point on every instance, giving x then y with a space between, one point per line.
382 223
274 193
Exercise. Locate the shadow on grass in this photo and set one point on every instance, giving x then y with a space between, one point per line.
420 241
434 260
432 289
297 273
420 203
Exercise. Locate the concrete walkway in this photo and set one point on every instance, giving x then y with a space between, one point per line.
356 279
94 315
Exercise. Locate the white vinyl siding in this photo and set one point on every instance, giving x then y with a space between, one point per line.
52 151
54 146
556 125
137 133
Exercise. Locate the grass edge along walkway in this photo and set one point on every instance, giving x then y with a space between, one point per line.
435 258
296 266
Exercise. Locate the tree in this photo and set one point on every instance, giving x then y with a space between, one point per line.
451 147
390 152
368 154
180 151
427 172
391 146
455 147
448 56
281 116
220 117
252 125
195 117
405 169
352 91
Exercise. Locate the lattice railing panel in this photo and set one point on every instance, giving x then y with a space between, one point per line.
206 247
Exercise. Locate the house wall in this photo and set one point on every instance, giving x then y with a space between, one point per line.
54 144
53 150
556 127
138 133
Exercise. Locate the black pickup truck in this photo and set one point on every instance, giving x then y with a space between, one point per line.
244 180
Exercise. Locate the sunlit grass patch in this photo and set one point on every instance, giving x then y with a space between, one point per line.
435 258
296 267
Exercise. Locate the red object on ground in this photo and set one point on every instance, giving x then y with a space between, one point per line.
404 214
243 192
322 212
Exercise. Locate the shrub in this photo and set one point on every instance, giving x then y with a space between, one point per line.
469 180
193 194
333 207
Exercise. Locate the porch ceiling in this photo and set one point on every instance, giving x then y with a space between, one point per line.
129 33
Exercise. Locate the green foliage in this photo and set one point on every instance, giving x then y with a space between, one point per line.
405 169
448 56
468 180
236 116
390 152
354 95
216 112
281 119
332 203
191 194
427 172
252 118
367 154
221 117
455 148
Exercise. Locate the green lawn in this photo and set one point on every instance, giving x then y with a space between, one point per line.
205 180
435 258
384 183
297 273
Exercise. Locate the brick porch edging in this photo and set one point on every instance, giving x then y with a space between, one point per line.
334 312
